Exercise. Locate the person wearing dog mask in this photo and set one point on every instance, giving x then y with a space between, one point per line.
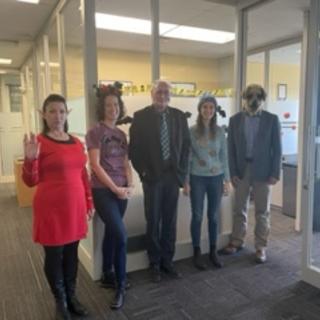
254 146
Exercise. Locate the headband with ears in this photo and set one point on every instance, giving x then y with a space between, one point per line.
249 88
221 111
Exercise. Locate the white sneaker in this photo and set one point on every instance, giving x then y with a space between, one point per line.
261 256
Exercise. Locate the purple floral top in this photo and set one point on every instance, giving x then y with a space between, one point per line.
113 146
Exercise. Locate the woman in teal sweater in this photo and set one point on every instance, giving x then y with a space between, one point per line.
209 175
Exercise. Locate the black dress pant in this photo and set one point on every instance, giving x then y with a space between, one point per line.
160 203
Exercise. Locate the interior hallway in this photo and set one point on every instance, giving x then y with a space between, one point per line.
240 291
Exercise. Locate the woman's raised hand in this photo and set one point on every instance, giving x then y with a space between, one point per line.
31 146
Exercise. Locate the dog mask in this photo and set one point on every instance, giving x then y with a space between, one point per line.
254 96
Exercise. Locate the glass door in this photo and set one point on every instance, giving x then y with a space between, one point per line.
311 155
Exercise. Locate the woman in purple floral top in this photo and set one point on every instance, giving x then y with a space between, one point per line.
111 187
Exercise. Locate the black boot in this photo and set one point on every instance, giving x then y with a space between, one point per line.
197 259
53 268
74 305
214 258
62 312
118 299
70 270
108 281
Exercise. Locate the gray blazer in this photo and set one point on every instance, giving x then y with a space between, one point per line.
266 150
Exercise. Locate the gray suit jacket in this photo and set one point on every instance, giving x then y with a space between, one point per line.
266 150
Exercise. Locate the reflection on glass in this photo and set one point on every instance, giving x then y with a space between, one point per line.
33 112
283 96
125 56
195 67
255 69
41 71
54 65
315 250
74 67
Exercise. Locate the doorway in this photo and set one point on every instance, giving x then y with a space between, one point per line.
11 129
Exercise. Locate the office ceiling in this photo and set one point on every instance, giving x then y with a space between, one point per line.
20 23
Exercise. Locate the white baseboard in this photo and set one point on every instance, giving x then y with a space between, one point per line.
276 208
86 260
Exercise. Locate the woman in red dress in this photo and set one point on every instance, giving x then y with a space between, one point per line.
55 162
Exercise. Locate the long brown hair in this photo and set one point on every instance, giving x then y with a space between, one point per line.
200 128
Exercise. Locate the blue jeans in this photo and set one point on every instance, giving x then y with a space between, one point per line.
111 210
200 186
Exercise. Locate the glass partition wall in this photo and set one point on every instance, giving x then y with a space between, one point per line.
123 48
54 61
274 62
193 65
196 55
74 71
256 68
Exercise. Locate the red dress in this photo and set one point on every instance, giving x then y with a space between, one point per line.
63 196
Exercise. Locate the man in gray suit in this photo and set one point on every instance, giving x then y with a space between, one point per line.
254 145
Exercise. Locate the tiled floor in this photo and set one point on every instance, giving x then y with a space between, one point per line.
241 290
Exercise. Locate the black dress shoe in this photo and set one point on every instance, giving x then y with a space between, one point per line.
155 273
118 300
170 271
76 307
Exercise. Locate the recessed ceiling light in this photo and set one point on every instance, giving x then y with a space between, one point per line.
169 30
200 34
124 24
30 1
5 61
51 64
3 71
